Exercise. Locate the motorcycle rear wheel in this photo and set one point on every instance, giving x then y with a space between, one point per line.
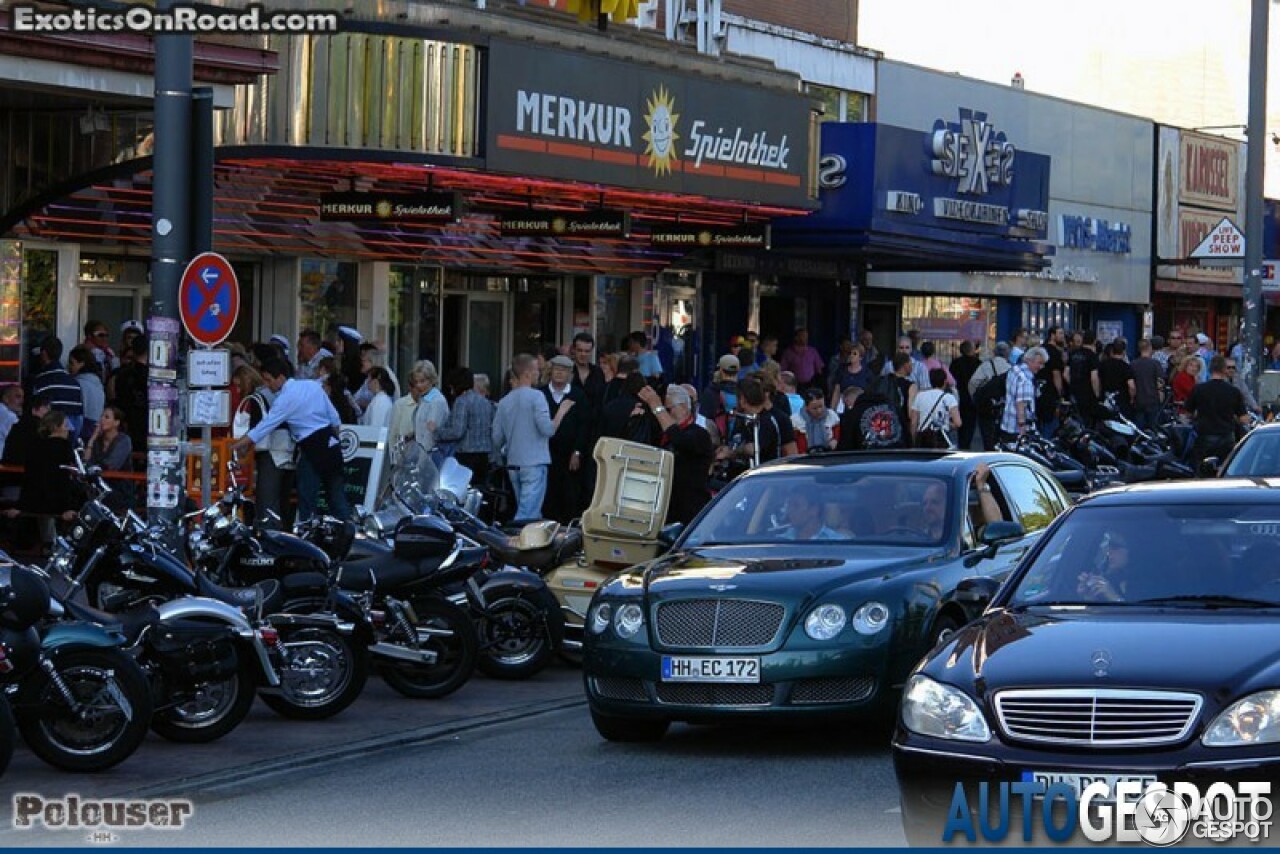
513 639
231 701
454 643
8 734
117 705
323 675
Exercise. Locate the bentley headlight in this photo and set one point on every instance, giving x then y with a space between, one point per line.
824 622
1253 720
599 619
870 618
931 708
629 621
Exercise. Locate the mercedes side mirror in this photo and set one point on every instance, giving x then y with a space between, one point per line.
669 534
1209 467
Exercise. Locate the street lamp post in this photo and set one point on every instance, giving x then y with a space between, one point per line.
1255 165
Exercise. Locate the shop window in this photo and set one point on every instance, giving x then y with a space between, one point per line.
949 320
328 295
414 317
1041 315
838 105
39 295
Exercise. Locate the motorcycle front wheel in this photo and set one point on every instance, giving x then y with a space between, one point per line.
109 718
209 712
323 673
446 630
514 643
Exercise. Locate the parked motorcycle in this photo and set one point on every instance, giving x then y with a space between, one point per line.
424 646
517 620
79 700
314 666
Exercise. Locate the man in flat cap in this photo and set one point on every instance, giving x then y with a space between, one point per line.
569 445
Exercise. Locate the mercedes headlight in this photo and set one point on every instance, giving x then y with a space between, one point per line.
824 622
599 619
931 708
1253 720
628 621
870 618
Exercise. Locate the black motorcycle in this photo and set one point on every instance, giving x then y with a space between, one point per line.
424 645
79 700
308 666
516 616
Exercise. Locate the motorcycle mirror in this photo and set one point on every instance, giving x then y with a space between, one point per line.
1209 467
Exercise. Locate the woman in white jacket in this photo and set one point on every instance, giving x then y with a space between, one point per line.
378 412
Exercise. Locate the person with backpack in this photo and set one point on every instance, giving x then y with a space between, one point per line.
875 421
720 397
935 415
987 388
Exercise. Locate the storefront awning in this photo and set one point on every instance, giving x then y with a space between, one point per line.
267 203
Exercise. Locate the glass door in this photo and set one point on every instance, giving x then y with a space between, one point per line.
111 306
487 327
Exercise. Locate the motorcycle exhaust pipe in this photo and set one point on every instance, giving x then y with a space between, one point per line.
400 653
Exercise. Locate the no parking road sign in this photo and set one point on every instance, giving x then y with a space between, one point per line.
209 298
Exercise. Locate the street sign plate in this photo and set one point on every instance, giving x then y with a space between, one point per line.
207 368
209 298
1271 275
209 408
1223 241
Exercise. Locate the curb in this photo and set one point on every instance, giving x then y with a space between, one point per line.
225 779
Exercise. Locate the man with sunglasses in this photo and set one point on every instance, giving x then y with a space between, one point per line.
97 340
1218 408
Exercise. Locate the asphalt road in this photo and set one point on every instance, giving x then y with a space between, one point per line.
496 764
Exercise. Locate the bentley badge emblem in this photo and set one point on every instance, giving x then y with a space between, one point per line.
720 588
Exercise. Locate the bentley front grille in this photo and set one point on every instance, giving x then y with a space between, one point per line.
1097 717
733 623
714 694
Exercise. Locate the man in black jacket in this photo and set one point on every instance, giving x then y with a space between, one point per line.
691 446
569 446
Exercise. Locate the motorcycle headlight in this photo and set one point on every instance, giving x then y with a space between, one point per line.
1252 720
931 708
870 618
599 620
824 622
628 621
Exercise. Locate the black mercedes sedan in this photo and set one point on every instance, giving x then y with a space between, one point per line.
810 587
1138 642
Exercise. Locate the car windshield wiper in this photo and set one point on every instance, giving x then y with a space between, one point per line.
1061 603
1210 601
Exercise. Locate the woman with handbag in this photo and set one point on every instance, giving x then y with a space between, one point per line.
935 414
273 461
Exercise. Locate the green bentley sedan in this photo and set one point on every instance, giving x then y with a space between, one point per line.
810 587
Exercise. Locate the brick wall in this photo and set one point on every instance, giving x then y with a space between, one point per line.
833 19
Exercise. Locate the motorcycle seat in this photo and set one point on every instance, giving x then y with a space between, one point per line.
263 597
129 623
565 544
384 572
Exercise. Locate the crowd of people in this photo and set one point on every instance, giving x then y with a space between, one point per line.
760 404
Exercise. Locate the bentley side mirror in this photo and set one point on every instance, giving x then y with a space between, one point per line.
669 534
976 593
996 533
1209 467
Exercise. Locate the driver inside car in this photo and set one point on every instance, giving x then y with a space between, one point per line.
1109 583
805 518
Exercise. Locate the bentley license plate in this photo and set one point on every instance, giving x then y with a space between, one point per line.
686 669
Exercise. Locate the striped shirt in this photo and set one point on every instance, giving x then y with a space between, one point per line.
60 388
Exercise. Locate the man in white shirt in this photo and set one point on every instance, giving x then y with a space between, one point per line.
303 407
310 351
12 398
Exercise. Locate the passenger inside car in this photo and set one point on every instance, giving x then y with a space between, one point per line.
805 517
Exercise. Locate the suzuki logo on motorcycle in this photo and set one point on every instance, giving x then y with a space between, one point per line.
258 561
973 152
